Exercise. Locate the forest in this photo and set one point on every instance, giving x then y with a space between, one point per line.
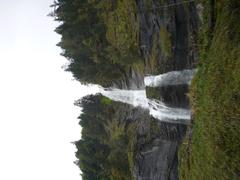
99 38
103 148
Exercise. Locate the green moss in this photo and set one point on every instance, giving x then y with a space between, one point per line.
139 67
165 42
154 55
106 101
212 152
152 93
154 127
123 25
148 4
122 33
132 144
118 143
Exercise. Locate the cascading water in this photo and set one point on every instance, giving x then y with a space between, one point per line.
133 97
160 111
156 108
170 78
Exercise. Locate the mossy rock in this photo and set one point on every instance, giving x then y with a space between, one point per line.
165 42
152 93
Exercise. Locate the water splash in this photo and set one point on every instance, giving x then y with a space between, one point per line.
156 108
162 112
132 97
170 78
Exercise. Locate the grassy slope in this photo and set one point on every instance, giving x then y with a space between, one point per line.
213 150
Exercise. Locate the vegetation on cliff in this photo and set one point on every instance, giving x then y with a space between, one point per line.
101 41
212 150
100 38
102 152
111 138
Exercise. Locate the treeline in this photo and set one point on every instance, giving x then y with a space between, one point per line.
104 151
114 135
99 38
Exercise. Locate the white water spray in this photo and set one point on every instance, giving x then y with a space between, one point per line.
156 108
170 78
133 97
164 113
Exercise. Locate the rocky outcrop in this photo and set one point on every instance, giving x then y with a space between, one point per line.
172 95
132 79
167 39
156 159
156 145
158 162
168 31
168 34
167 42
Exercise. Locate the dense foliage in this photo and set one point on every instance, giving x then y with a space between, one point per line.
100 38
102 152
212 151
112 136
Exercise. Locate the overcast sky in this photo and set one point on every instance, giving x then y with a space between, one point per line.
37 117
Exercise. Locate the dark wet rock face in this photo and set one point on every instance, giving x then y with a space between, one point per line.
173 96
156 158
132 80
163 161
156 145
168 34
167 41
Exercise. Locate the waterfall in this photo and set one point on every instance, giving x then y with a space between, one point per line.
156 108
170 78
160 111
133 97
